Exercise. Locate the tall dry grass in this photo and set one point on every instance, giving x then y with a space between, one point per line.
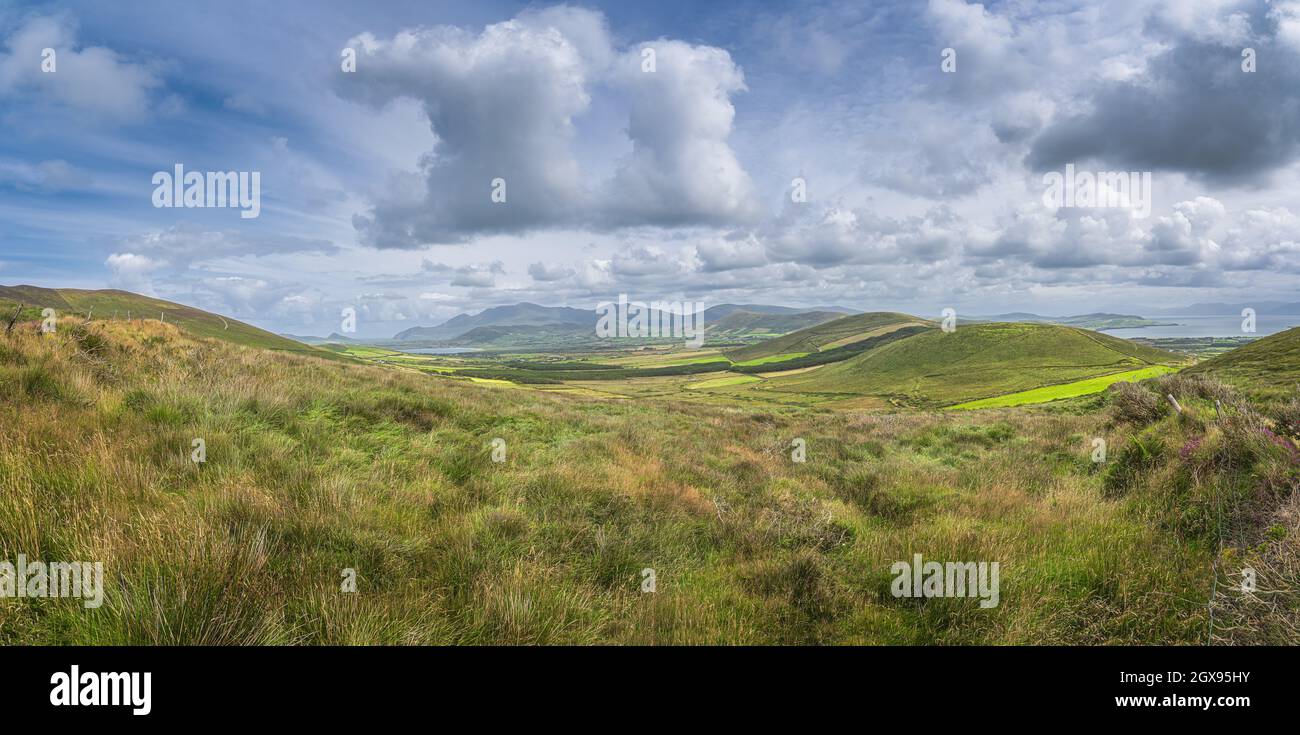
314 467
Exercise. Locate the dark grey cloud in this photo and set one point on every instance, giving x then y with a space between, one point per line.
1194 111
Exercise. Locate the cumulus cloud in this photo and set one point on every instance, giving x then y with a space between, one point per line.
503 105
682 170
178 248
645 260
839 233
182 245
474 276
548 272
1200 236
730 254
1195 110
90 79
991 52
133 272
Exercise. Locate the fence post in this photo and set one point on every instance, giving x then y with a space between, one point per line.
13 319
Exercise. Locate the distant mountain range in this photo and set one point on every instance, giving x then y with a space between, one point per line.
516 320
525 322
516 315
334 338
1281 308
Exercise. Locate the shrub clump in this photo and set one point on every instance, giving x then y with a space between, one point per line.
1287 417
1194 386
1133 404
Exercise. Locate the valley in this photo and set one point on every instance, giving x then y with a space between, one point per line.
517 496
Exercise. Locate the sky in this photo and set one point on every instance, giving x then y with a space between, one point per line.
872 155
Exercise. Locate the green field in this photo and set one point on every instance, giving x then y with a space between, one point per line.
772 358
815 338
723 382
1065 390
976 361
384 464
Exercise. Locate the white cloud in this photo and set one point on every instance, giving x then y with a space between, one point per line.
182 245
503 105
682 170
45 176
132 272
547 272
725 255
91 79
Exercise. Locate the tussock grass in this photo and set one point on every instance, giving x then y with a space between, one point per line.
1225 476
314 467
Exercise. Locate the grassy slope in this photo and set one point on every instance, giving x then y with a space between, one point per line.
314 467
1084 387
832 332
110 303
747 322
977 361
1269 365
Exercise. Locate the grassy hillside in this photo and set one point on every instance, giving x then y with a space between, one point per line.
836 333
1061 391
743 323
1223 474
1268 365
314 467
114 304
977 361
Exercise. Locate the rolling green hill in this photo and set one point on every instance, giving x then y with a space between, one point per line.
829 335
743 323
115 304
977 361
1268 365
312 467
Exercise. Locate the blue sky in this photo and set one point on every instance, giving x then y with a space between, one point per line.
924 186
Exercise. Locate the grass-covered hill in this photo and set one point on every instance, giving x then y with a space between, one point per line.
977 361
1267 366
740 323
115 304
316 467
827 335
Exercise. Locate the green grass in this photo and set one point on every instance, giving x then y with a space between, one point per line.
314 467
114 304
692 361
723 382
1267 366
976 361
1065 390
772 358
814 338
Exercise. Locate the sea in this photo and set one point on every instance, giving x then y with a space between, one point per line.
441 350
1211 326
